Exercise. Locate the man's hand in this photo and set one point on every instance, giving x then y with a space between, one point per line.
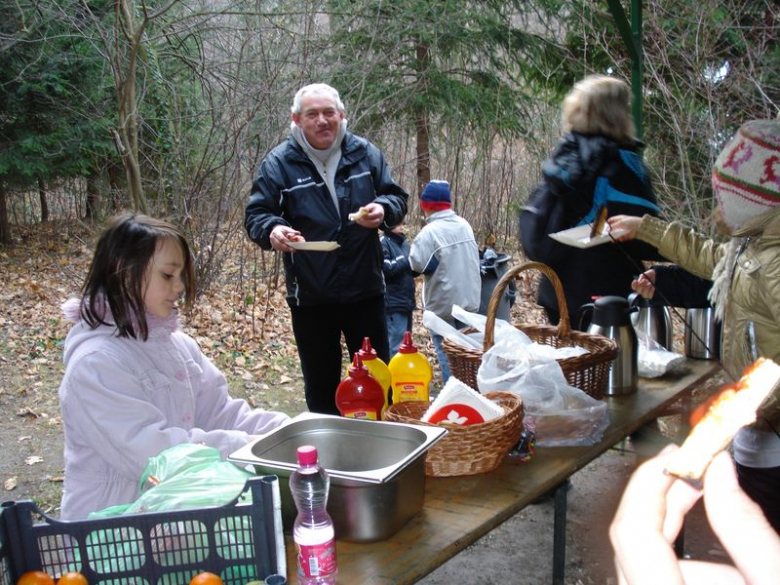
281 235
373 217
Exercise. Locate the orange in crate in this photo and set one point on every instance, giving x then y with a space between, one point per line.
35 578
206 578
72 578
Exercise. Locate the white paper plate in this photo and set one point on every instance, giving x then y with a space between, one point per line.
579 237
314 246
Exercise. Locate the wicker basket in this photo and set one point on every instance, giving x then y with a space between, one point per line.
471 449
588 372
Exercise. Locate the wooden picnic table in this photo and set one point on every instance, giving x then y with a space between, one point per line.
459 510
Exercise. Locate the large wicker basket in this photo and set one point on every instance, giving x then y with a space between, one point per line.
588 372
471 449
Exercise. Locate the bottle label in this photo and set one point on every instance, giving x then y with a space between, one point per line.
411 391
364 414
317 560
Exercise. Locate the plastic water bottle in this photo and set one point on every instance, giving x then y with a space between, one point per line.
313 533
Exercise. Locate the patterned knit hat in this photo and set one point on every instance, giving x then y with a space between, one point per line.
436 196
746 176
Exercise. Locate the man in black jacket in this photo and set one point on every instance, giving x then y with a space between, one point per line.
327 184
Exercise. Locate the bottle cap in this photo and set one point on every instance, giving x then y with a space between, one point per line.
367 352
307 455
407 345
357 369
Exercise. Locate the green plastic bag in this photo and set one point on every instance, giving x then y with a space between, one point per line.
186 476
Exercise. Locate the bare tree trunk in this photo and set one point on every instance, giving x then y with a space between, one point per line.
114 186
93 197
423 152
5 227
123 45
127 132
44 202
421 124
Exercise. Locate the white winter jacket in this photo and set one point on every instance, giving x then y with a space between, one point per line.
124 400
447 254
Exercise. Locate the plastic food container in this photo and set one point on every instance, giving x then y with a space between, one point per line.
239 541
377 470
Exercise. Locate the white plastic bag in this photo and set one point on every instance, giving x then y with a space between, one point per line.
653 360
441 327
560 415
503 329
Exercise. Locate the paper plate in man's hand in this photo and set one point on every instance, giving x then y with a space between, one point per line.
579 237
314 246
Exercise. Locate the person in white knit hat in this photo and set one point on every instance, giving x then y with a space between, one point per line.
746 289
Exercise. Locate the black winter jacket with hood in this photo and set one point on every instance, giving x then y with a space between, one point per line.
398 274
584 173
289 190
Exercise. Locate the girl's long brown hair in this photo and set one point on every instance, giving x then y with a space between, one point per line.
117 275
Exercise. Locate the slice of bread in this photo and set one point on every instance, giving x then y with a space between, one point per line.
735 407
598 223
359 214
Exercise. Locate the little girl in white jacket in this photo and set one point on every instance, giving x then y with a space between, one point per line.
135 384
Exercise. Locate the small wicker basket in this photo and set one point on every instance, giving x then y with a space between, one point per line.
588 372
471 449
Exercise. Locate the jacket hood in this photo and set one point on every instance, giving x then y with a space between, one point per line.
82 333
577 157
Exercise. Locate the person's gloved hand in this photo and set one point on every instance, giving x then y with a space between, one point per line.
645 284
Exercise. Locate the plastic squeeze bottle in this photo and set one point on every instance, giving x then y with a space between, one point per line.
411 372
313 532
377 368
359 395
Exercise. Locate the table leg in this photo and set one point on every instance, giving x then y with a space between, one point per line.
559 533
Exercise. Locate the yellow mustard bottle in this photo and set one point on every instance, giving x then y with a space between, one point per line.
377 368
411 373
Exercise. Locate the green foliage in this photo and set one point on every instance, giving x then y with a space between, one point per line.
48 79
456 61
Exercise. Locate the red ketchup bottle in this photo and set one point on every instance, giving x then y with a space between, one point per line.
378 369
359 395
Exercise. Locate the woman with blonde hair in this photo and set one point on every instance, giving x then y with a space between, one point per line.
595 166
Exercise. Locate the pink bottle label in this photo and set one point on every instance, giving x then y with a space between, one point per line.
318 560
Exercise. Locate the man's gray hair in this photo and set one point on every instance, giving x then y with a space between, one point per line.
316 88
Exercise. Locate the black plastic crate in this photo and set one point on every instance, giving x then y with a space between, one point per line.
238 542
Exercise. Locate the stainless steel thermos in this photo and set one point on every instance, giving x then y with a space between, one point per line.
612 318
653 319
702 334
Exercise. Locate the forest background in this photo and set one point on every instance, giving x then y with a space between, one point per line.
168 106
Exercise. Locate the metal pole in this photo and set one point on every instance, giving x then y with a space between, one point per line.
632 38
637 66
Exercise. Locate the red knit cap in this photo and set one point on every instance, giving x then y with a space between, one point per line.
436 196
